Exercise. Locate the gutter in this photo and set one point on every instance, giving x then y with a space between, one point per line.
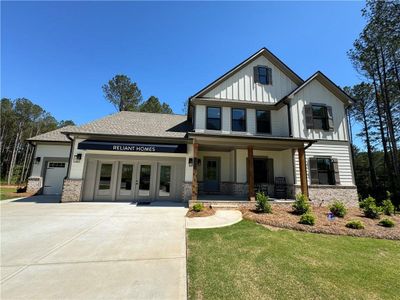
309 144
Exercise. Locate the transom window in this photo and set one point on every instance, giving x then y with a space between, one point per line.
263 121
320 117
56 165
238 119
214 118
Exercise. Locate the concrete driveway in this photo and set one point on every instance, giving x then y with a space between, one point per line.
91 250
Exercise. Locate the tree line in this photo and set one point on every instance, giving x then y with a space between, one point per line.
20 120
376 57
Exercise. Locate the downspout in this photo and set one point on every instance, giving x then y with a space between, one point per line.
70 155
309 144
289 118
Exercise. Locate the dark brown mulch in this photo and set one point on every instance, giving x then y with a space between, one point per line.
206 212
282 217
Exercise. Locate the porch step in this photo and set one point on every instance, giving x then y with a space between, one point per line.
225 206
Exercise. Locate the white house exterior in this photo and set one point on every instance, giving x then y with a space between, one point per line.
259 127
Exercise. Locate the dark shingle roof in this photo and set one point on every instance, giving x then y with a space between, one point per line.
140 124
52 136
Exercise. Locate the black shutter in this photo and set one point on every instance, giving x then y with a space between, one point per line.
270 170
329 117
314 171
269 74
256 75
335 167
309 116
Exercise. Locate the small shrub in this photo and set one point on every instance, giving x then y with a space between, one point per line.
388 207
262 205
355 224
307 219
370 209
197 207
386 223
301 205
338 209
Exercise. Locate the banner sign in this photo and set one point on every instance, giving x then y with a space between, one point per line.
132 147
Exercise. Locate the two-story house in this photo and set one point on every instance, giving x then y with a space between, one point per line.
259 127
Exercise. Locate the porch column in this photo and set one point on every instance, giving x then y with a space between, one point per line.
303 171
194 179
250 172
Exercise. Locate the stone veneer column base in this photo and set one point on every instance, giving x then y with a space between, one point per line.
35 184
72 189
187 191
326 194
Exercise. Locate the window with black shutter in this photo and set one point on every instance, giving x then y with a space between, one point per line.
318 116
324 171
263 75
214 118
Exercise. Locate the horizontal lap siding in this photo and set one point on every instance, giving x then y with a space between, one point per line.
340 151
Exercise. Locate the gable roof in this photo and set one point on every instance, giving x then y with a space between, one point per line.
262 52
52 136
136 124
327 83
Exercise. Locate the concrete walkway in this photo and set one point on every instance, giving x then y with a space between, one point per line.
221 218
84 250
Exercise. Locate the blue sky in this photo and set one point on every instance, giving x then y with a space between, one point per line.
59 54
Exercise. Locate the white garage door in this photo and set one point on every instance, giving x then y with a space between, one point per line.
55 173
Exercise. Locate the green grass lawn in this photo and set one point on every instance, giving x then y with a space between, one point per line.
248 261
6 193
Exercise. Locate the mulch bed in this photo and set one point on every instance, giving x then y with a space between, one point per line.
282 217
206 212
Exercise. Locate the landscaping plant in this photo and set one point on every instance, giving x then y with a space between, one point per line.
370 209
307 219
338 209
198 207
387 223
355 224
388 207
263 205
301 205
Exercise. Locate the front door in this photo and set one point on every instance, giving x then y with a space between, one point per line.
211 174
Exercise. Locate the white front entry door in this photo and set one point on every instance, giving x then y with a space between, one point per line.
54 178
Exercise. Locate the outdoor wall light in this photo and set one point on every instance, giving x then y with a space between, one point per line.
37 160
193 161
78 157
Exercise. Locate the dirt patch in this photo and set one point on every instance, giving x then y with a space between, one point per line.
206 212
282 217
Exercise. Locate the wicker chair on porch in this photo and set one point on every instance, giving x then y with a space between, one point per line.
280 187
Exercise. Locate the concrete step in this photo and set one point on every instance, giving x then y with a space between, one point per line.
225 206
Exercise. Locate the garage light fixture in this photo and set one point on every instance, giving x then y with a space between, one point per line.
193 160
77 157
37 160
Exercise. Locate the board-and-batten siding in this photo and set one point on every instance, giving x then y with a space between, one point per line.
340 151
315 92
241 86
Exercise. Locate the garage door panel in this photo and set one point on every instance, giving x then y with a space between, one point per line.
54 177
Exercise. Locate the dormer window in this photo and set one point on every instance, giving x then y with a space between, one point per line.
263 75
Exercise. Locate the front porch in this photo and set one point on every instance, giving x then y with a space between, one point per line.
232 170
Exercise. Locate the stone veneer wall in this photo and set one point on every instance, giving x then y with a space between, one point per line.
35 184
187 191
72 189
325 195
